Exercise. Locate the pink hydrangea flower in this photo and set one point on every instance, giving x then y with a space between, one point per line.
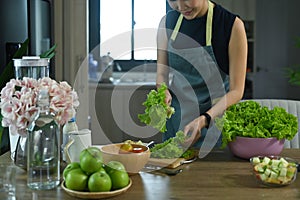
19 102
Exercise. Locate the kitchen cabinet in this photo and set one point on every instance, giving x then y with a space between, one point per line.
114 113
277 28
272 28
251 62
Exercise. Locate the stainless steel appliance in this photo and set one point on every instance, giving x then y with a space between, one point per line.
22 19
19 20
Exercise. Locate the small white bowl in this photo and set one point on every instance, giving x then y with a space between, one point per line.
133 162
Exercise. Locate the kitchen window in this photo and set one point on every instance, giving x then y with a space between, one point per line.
122 27
125 20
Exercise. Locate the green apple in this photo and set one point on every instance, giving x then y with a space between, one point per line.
77 180
90 160
101 170
99 182
114 165
117 173
69 167
119 179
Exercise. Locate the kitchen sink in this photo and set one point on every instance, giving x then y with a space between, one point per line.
135 78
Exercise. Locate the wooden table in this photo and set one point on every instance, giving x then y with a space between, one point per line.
218 176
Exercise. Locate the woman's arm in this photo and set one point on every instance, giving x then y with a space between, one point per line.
162 58
237 74
238 50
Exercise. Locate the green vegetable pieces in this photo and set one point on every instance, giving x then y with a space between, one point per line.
157 111
170 148
250 119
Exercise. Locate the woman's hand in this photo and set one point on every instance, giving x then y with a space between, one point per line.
168 99
194 130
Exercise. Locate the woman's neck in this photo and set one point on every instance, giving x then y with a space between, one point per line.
204 9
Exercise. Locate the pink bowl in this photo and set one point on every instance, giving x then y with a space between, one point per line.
245 147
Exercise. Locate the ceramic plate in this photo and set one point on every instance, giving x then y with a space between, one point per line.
95 195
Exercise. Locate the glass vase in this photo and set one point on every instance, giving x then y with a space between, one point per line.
31 67
20 157
13 140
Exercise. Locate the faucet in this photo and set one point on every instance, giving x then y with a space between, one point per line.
118 66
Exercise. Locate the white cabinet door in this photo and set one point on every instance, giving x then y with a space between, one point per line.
103 124
133 129
114 114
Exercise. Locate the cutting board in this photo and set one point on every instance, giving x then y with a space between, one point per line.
172 162
166 162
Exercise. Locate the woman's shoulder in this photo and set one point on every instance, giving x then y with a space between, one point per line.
171 18
223 21
222 13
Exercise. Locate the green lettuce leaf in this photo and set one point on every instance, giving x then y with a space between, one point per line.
157 111
170 148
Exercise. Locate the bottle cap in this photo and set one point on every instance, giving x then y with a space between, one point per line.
73 119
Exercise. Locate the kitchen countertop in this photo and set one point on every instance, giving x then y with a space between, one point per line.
217 176
128 79
125 85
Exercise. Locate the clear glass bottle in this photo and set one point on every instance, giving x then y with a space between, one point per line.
43 154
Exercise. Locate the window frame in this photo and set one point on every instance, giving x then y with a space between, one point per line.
94 27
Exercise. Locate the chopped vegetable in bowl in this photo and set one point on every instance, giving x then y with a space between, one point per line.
274 170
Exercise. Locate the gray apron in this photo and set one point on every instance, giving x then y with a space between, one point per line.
197 83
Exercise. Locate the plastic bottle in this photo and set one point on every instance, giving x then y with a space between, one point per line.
93 67
71 126
43 160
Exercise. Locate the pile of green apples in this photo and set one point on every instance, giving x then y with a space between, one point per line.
92 175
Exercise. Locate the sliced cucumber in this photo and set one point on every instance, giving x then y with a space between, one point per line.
266 160
271 170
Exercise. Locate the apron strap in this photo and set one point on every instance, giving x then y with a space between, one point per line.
208 25
176 29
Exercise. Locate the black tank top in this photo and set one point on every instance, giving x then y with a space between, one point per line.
196 29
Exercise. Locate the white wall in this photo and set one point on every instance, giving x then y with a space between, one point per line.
70 35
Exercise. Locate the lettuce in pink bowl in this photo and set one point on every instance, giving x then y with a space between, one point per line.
250 119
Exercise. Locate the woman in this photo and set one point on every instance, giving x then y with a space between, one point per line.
205 47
